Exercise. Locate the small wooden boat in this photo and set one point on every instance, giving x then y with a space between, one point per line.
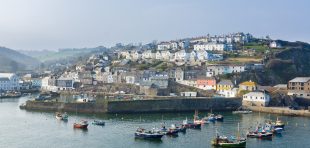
222 141
82 124
61 116
98 122
152 134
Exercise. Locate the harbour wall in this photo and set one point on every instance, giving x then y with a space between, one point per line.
65 107
139 106
174 105
280 110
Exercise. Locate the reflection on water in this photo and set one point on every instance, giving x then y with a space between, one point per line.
20 128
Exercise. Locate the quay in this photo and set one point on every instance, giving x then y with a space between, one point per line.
279 110
138 106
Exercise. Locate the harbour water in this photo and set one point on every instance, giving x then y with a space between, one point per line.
34 129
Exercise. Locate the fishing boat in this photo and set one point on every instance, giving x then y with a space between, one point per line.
279 124
219 118
98 122
191 125
182 129
152 134
61 116
271 128
259 133
82 124
170 131
222 141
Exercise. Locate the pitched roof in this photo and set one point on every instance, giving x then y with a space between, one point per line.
225 82
249 83
6 75
300 79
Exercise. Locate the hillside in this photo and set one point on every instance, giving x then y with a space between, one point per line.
12 61
49 56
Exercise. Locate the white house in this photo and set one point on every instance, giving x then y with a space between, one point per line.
202 55
130 79
256 98
147 54
210 46
181 55
174 45
9 81
274 44
188 94
230 93
166 55
164 46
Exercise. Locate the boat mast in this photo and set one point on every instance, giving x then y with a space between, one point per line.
238 134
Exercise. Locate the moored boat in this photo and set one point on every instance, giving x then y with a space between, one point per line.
259 135
222 141
191 125
279 124
152 134
182 129
219 118
83 124
98 122
242 112
61 116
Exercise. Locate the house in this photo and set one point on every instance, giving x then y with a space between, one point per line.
63 83
166 55
224 85
9 81
225 69
181 55
188 94
36 82
247 86
184 44
275 44
49 84
179 74
202 55
256 99
226 89
136 55
299 86
174 45
192 56
164 46
210 46
206 83
148 54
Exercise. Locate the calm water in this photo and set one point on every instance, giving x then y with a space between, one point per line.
20 128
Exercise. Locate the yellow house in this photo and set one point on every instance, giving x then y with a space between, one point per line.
224 85
248 86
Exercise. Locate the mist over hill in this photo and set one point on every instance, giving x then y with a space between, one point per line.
12 61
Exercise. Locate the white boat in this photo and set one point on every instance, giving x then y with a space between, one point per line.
60 116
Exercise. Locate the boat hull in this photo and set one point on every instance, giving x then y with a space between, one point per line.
232 145
148 136
81 126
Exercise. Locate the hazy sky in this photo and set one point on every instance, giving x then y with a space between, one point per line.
53 24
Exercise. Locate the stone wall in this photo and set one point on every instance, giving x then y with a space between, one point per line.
135 106
68 107
173 105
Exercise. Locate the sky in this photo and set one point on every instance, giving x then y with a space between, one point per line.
54 24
